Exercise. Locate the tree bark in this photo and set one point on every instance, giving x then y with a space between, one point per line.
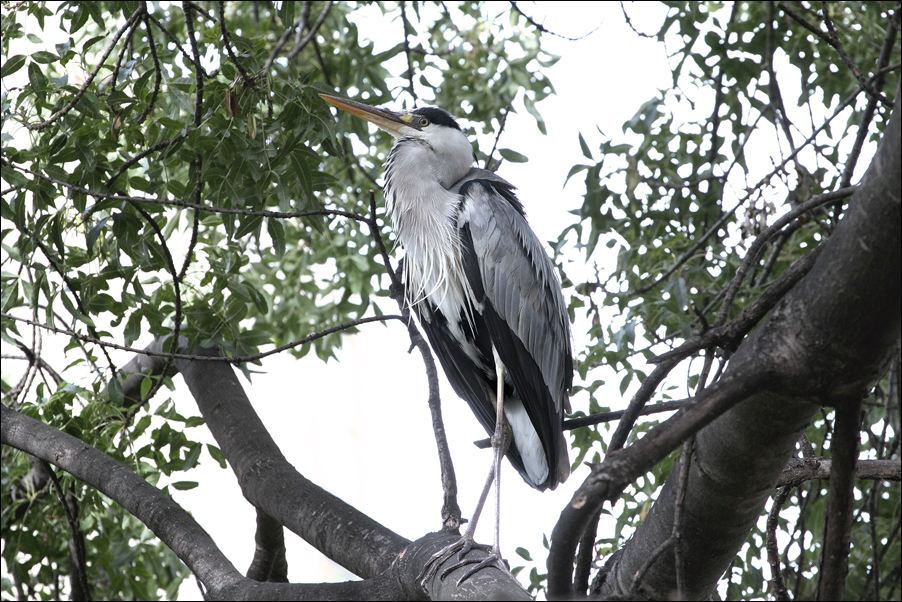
827 341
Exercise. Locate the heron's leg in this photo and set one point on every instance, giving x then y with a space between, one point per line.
501 440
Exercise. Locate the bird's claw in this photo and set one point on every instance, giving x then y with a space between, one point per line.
462 547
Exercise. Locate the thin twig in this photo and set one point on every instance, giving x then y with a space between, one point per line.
542 28
889 42
488 160
78 541
158 72
158 146
773 553
84 88
178 45
227 42
198 74
836 43
451 515
203 358
640 574
178 203
313 30
667 406
754 251
410 72
177 319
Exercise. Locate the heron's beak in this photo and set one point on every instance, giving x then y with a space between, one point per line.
391 122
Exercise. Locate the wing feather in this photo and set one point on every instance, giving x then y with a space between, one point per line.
524 308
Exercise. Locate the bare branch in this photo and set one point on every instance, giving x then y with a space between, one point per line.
205 358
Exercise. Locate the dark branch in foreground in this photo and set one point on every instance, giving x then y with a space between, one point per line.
400 561
827 341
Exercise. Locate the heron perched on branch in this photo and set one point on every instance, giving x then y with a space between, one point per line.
486 294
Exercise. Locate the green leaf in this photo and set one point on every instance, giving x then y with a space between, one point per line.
277 233
217 455
185 485
12 65
512 156
115 393
93 233
584 147
44 57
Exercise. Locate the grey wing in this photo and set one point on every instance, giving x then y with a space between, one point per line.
509 271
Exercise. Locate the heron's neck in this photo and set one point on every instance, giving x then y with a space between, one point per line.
424 215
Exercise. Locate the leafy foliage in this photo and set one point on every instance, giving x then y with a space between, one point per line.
159 176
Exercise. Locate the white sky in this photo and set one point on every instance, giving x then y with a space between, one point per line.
360 427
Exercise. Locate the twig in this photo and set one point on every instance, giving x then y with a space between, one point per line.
158 146
177 319
640 574
84 88
177 203
488 160
178 45
832 40
227 42
727 335
451 515
773 553
410 72
753 253
73 291
542 29
889 41
634 409
198 73
667 406
630 24
122 51
835 42
313 29
158 72
78 541
204 358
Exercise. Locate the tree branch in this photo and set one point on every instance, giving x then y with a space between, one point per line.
799 471
834 565
830 338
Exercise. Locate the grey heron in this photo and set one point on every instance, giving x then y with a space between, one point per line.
484 291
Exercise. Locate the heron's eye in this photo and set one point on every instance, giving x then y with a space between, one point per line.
423 122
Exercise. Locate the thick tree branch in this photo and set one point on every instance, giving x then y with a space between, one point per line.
829 339
611 477
273 486
175 527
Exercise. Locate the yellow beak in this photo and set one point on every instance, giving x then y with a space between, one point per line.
384 119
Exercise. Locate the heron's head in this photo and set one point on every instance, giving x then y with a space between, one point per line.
434 127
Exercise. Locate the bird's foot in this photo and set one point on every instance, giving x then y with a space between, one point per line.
462 547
